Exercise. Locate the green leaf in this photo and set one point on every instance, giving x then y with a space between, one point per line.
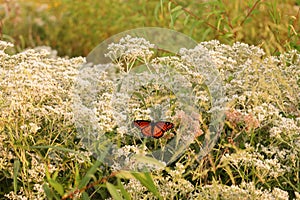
57 186
170 6
148 160
86 179
186 20
124 175
162 5
113 191
156 12
51 180
77 175
147 181
177 8
177 14
54 147
55 174
85 196
123 191
49 194
171 24
15 174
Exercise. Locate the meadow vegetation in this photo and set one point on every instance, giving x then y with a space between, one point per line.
254 45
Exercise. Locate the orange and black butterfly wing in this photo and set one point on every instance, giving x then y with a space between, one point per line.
145 127
147 131
151 129
160 128
157 132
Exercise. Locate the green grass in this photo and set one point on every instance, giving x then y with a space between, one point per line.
75 28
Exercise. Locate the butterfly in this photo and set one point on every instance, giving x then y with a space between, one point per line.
153 129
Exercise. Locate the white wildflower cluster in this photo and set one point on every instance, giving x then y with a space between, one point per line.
174 185
189 78
137 190
20 195
37 192
34 175
134 158
252 80
92 97
250 159
27 93
35 105
41 98
178 172
130 49
286 128
6 154
80 156
37 171
51 53
263 101
159 89
242 191
4 45
255 98
30 128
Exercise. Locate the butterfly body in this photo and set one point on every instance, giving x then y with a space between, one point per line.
153 129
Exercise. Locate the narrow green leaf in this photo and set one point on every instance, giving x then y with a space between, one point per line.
147 181
77 175
162 6
186 20
229 172
54 176
156 10
171 24
48 192
177 14
124 175
57 186
85 196
86 179
15 174
169 6
51 180
177 8
54 147
149 160
123 191
113 191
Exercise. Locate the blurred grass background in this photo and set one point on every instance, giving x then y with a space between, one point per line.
74 28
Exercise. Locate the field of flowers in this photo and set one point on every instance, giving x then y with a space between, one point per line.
256 156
